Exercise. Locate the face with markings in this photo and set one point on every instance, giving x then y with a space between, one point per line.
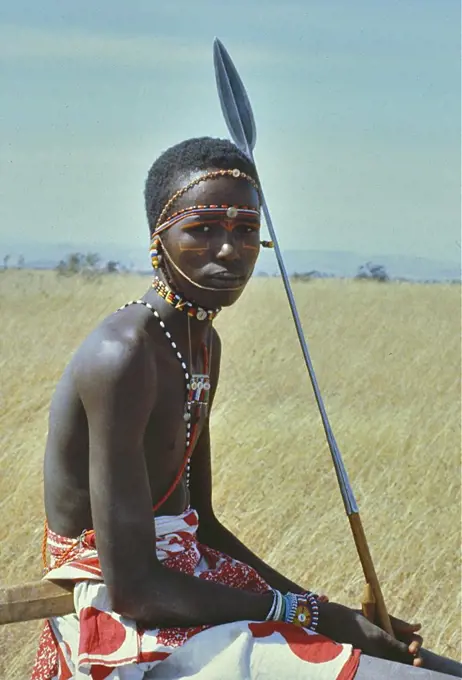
210 257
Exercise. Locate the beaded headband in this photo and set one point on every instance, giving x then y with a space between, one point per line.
229 211
237 174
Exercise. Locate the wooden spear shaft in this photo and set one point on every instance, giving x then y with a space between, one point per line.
373 607
238 114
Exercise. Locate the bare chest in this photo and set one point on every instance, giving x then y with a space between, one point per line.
173 430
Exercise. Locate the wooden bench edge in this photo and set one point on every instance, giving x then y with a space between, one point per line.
36 600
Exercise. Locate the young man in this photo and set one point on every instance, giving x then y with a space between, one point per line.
178 595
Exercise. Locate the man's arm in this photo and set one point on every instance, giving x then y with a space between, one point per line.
212 532
335 621
117 385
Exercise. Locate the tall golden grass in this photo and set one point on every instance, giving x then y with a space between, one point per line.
387 358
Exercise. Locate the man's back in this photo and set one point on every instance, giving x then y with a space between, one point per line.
66 468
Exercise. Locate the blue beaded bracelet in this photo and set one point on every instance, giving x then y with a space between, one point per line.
302 610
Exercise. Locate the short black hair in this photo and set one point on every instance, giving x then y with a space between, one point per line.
198 153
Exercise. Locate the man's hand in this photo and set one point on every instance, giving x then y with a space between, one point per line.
407 633
348 625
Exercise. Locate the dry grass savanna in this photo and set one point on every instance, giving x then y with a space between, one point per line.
387 358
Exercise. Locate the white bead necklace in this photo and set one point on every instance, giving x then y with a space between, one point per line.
188 404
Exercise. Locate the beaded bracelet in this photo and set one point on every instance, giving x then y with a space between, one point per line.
277 609
291 602
321 597
273 606
302 610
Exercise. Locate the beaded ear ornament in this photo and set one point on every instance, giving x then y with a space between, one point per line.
154 252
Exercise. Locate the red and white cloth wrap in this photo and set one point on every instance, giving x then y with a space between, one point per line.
99 644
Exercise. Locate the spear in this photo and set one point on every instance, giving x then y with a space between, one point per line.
240 121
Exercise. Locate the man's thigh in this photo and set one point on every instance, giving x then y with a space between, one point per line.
371 668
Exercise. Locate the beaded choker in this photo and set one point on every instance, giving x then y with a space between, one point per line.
181 304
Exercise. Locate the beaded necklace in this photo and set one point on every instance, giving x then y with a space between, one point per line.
199 384
181 304
197 395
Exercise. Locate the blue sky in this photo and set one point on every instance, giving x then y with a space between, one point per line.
357 106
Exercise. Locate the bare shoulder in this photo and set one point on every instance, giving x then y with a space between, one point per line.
119 349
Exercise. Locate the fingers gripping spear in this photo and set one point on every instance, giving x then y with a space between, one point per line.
241 125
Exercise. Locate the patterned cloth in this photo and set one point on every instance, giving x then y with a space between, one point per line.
98 643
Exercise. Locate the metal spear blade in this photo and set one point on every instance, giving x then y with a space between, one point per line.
235 103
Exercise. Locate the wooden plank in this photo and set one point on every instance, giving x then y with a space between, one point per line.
37 600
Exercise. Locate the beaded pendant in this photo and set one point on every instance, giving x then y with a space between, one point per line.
199 391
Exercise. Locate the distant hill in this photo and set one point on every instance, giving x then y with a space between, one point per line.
346 264
329 263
